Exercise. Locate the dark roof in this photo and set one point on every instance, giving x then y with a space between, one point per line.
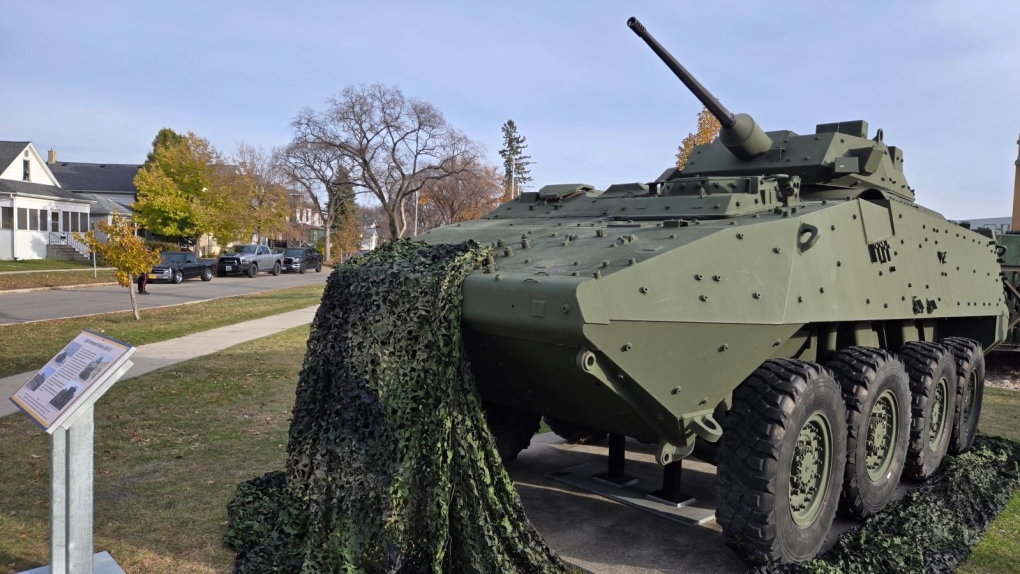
10 151
104 206
40 190
104 177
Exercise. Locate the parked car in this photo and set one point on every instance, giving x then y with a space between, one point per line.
249 259
176 266
301 258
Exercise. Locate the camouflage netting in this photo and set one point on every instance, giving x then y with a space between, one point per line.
935 526
390 464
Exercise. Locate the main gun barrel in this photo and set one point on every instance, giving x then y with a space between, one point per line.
725 117
740 133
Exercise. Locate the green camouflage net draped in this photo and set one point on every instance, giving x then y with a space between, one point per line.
390 464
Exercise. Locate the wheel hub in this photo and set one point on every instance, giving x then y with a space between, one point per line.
937 424
882 427
809 472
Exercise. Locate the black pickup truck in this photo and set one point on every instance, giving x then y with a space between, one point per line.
301 258
176 266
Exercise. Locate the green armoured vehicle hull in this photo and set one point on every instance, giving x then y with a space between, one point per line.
782 298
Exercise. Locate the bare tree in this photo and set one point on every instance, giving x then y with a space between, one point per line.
318 170
390 145
470 194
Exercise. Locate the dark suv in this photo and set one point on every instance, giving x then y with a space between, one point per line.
301 258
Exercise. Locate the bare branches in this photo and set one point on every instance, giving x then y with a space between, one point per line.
383 144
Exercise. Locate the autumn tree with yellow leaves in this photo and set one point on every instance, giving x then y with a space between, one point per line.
123 250
708 129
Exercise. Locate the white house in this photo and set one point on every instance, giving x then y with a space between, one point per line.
35 212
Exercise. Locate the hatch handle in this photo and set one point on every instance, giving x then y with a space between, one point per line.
807 236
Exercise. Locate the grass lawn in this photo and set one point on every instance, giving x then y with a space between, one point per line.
28 346
54 279
999 551
171 447
38 264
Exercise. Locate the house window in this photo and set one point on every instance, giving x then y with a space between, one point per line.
74 222
33 219
6 218
67 221
43 216
22 218
27 173
54 221
84 221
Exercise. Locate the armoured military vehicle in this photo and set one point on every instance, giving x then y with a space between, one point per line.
782 301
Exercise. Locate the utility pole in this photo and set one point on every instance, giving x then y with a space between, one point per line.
513 177
416 213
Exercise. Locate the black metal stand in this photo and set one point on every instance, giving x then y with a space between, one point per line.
670 492
617 458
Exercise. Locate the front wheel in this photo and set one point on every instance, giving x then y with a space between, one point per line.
781 462
276 269
253 270
178 276
301 269
207 274
318 267
876 392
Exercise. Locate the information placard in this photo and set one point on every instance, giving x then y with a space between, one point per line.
70 377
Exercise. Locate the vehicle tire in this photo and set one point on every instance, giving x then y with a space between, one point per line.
876 392
932 372
318 267
253 270
574 433
511 429
781 462
276 269
221 272
178 277
970 391
301 269
207 274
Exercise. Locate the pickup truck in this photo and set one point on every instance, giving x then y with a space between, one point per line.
249 259
176 266
301 258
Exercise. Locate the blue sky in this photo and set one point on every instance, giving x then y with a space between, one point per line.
96 80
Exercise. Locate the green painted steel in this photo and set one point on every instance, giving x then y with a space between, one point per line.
639 309
812 464
882 430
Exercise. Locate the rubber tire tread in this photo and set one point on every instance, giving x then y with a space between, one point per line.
748 491
923 361
276 269
511 441
574 433
856 370
178 277
207 274
253 270
969 355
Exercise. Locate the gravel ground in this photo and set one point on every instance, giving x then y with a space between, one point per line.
1002 370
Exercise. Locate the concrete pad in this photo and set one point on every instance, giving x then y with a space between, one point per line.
102 563
607 536
154 356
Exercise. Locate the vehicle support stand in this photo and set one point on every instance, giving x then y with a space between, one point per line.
617 458
670 492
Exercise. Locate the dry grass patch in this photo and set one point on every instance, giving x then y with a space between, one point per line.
54 279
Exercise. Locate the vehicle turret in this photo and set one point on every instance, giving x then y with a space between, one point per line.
837 161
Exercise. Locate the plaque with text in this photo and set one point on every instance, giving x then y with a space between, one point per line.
70 378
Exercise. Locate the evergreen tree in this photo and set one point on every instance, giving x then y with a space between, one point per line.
515 163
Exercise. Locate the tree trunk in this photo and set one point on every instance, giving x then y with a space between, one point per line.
134 299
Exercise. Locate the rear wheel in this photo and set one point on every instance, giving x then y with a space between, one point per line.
781 462
970 390
207 274
253 269
933 401
318 266
876 392
511 429
574 433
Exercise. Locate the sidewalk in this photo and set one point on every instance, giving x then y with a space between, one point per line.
158 355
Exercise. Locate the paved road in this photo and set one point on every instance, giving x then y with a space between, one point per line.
60 303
